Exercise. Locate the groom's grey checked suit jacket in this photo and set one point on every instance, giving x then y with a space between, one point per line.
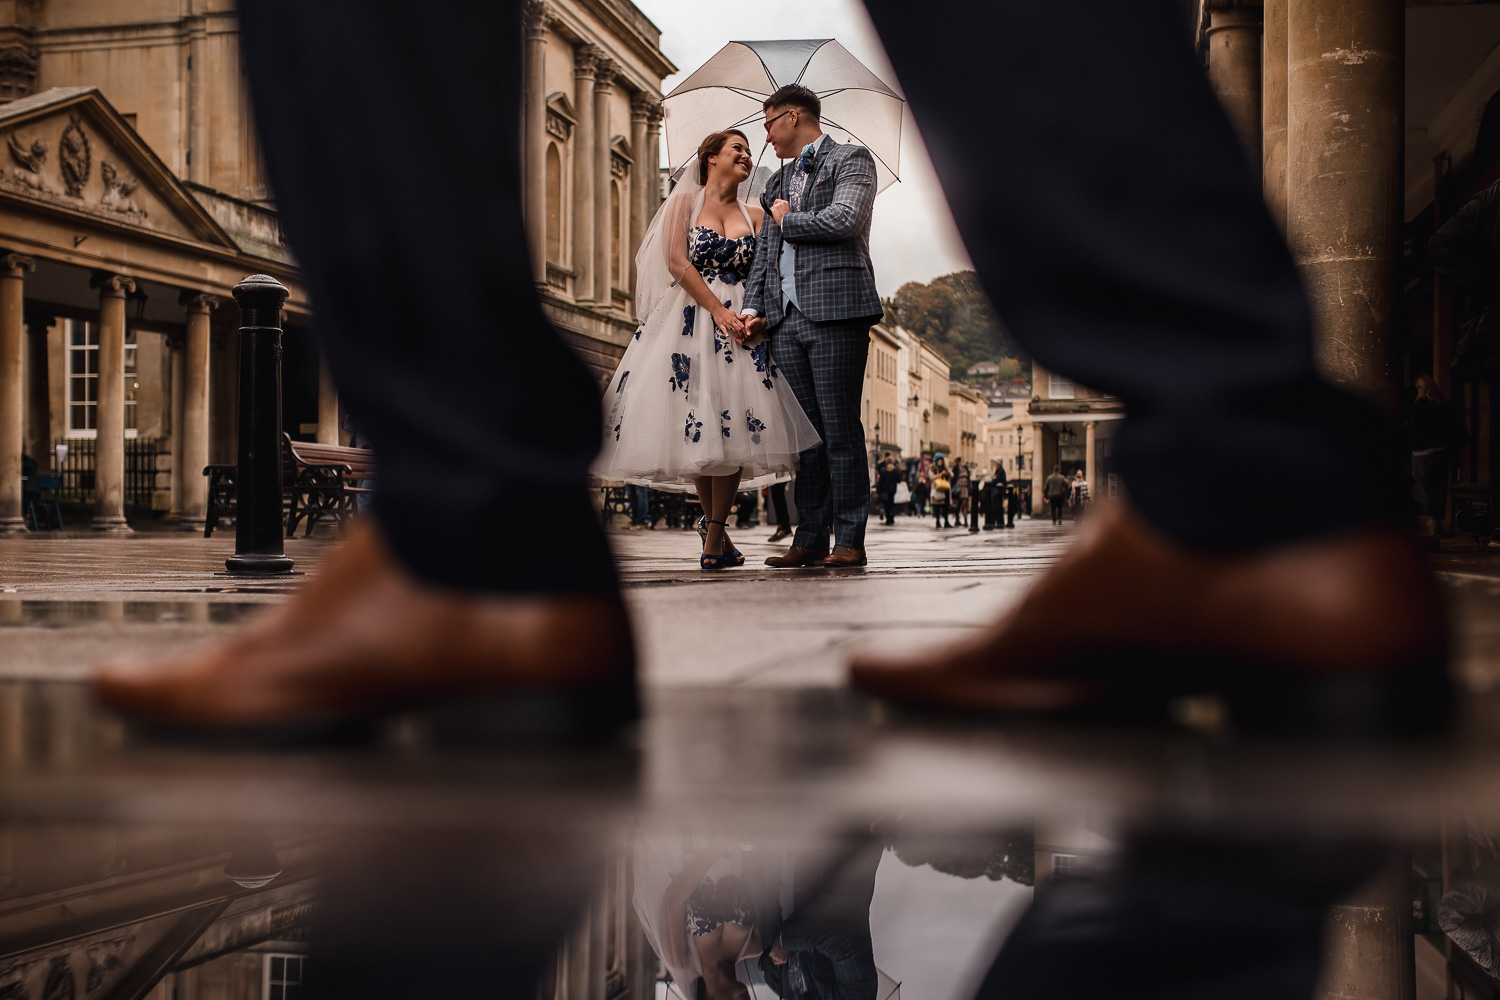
821 347
831 230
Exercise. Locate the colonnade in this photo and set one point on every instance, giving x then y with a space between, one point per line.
26 413
1325 81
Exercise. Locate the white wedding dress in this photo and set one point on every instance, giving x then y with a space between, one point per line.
687 400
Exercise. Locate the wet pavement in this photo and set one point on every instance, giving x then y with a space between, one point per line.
860 851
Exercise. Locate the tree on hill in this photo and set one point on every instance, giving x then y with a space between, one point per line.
953 314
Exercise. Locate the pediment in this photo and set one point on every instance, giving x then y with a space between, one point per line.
70 150
560 102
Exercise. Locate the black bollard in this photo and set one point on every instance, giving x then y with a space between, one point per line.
257 531
974 509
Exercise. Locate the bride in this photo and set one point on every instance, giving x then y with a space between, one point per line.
695 405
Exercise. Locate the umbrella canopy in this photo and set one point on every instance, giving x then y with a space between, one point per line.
729 89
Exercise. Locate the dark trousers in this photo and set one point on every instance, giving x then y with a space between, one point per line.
824 363
419 272
1056 505
640 503
1114 221
778 503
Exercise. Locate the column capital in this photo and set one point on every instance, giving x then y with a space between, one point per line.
15 265
38 320
606 70
537 17
198 302
585 58
111 285
654 115
642 105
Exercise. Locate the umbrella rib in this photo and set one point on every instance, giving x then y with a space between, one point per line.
877 156
803 72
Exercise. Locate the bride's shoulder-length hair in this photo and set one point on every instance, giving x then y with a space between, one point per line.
711 146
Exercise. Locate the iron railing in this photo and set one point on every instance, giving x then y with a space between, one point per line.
140 469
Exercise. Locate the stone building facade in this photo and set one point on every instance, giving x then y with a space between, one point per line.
133 198
1073 426
592 153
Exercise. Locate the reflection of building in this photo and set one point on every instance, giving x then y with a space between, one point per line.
1073 427
130 910
592 149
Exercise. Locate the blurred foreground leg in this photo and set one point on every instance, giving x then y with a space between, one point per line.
417 261
1116 225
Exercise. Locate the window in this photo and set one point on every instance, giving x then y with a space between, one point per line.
83 379
283 977
1059 387
554 205
1062 865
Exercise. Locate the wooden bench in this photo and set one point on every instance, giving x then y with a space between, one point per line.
319 480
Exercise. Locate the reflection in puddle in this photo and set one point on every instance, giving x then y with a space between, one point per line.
61 614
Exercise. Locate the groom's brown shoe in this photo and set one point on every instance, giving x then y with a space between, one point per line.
797 555
844 556
1343 635
364 638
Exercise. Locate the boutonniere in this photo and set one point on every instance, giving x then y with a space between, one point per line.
809 159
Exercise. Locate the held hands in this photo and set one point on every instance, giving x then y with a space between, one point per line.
754 326
779 208
731 324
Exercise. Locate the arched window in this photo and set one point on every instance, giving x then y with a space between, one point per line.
614 237
554 205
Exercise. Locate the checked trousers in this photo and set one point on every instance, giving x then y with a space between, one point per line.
824 363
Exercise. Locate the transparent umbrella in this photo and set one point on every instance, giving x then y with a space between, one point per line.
729 89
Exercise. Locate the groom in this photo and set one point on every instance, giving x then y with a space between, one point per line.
813 287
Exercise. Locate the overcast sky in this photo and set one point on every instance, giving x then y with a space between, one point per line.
912 237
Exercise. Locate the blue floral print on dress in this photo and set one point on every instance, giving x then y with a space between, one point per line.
621 387
681 365
693 429
755 424
761 355
689 314
638 331
724 422
719 258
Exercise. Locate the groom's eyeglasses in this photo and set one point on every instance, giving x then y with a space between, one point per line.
782 115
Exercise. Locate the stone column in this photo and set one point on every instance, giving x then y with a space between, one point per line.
640 177
1344 167
13 268
538 17
1368 941
1273 110
604 88
585 58
1089 465
38 392
195 425
1234 68
328 405
653 159
175 346
109 448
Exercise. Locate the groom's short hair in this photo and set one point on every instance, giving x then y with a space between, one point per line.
794 95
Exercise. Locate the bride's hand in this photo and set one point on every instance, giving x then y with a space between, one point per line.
731 324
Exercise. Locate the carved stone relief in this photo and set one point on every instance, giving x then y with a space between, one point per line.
558 126
117 190
29 164
75 156
17 72
617 165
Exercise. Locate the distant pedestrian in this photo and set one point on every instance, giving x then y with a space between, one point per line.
994 494
1078 494
639 501
1026 500
777 507
921 485
941 490
959 499
1055 493
887 478
1434 429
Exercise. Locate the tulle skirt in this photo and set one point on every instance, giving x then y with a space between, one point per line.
687 401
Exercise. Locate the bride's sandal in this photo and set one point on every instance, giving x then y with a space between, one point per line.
720 561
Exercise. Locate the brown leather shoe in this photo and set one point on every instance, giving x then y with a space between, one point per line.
1342 634
364 638
797 555
844 556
